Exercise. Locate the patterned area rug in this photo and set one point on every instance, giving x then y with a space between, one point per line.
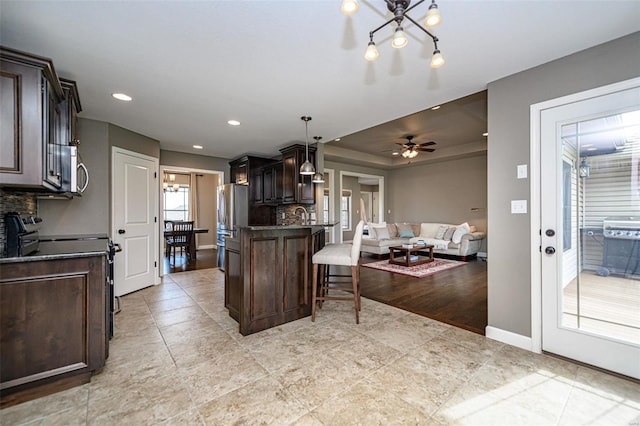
419 271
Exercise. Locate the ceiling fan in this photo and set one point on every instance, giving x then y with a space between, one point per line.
410 149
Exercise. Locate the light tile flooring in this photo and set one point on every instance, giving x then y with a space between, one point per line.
178 359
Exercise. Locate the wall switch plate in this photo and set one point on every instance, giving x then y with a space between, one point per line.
522 171
518 206
283 215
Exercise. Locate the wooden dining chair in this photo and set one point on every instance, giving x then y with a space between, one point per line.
180 237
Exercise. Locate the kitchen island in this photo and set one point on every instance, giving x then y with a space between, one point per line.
268 274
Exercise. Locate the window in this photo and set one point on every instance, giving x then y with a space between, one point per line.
176 204
325 207
345 210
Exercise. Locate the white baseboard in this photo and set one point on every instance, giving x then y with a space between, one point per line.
207 246
482 254
508 337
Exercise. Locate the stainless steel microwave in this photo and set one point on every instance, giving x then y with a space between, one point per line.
75 176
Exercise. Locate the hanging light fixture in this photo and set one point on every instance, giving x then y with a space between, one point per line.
318 177
584 171
168 179
307 168
400 8
410 153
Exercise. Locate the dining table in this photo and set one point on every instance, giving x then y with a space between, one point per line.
192 243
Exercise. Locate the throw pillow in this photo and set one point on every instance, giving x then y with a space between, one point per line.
440 232
405 230
460 231
449 234
406 234
382 233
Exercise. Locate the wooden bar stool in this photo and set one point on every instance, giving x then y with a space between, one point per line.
339 255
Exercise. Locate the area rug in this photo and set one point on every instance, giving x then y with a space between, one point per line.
418 271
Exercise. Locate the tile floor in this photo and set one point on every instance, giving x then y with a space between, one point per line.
178 359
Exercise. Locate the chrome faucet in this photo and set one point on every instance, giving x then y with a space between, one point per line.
305 215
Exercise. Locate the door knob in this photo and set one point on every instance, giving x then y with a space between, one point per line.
121 231
550 250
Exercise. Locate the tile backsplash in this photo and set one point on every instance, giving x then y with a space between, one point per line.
291 218
24 203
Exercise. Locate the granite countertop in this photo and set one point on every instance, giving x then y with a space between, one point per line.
64 249
267 227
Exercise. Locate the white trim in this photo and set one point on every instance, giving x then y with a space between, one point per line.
163 168
206 247
482 254
381 200
156 163
535 168
513 339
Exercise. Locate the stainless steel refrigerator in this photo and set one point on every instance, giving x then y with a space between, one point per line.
233 211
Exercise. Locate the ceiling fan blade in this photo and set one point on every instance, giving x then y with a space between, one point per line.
425 149
427 143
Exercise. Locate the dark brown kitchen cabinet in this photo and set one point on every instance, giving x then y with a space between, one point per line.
54 326
247 170
268 274
70 107
30 140
296 188
272 183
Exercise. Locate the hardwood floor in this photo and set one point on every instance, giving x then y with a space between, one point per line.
457 296
205 258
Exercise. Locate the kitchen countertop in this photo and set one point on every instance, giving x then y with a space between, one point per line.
267 227
64 249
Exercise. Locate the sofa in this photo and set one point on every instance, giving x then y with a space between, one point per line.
462 241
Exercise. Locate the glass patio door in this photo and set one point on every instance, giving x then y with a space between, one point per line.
590 236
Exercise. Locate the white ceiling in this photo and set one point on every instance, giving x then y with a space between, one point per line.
192 65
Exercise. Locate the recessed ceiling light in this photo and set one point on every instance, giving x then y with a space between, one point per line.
485 134
197 146
436 107
395 153
233 122
122 97
337 139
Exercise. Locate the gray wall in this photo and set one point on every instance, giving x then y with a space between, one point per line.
88 214
193 161
509 99
441 192
91 213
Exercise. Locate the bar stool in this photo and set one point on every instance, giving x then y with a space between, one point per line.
339 255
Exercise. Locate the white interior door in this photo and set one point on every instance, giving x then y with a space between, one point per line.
135 227
590 179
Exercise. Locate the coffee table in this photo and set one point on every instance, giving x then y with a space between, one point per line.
404 255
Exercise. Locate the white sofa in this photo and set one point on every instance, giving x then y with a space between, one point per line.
462 241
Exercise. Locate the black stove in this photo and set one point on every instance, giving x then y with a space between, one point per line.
22 234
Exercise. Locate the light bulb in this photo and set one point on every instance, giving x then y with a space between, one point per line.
399 39
372 52
433 18
176 187
349 7
437 60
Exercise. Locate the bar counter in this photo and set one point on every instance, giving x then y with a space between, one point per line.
268 274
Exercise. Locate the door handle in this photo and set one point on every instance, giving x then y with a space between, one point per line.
121 231
550 250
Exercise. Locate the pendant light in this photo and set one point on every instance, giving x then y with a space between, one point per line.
318 177
307 168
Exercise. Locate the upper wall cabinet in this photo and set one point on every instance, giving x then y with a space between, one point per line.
36 120
296 188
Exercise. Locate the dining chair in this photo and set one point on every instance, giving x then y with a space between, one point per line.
180 237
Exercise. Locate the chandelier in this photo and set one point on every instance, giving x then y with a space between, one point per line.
400 8
169 179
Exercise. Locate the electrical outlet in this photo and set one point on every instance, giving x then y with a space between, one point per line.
518 206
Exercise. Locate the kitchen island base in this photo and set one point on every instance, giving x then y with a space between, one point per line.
268 275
